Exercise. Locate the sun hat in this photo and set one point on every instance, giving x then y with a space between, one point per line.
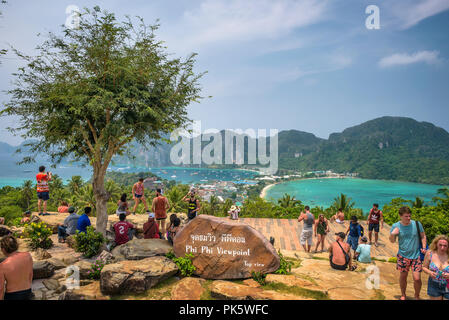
233 208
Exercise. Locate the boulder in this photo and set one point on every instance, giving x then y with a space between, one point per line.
88 292
51 284
42 269
106 257
188 289
58 264
84 268
40 254
138 249
225 249
135 276
226 290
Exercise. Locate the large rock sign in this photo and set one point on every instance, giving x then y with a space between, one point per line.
225 249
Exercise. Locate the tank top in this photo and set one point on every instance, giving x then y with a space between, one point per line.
321 227
374 219
192 207
433 267
42 182
159 208
138 189
308 223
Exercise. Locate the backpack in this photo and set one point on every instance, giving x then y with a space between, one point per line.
362 231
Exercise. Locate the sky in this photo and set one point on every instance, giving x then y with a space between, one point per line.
309 65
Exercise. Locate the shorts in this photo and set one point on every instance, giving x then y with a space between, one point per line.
373 226
339 221
161 219
138 196
404 264
306 235
338 267
19 295
353 242
43 195
437 289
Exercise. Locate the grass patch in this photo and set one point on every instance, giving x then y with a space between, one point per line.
296 262
297 291
380 260
206 295
306 277
320 258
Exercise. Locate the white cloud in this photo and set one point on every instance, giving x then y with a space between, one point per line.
411 12
429 57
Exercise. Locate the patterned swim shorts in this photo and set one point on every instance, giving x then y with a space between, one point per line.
404 264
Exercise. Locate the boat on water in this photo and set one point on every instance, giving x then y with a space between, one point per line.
173 176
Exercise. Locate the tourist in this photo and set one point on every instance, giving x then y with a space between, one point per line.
43 191
339 253
194 204
410 240
2 220
307 229
355 231
16 271
26 217
64 207
174 230
363 252
234 212
339 217
138 192
122 205
173 216
151 228
436 265
84 221
124 230
159 207
375 216
69 226
321 230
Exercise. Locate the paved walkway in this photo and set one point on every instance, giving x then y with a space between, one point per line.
287 234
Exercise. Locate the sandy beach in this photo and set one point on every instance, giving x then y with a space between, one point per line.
263 193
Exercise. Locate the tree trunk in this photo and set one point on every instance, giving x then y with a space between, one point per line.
101 198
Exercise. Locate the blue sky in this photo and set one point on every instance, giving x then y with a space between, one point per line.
308 65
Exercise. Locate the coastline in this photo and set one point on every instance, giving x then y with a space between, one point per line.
263 193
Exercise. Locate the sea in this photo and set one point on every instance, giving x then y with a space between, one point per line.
364 192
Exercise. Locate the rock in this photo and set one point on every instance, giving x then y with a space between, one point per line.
40 254
84 268
88 292
188 289
59 274
35 219
138 249
51 284
226 290
135 276
38 295
106 257
70 240
42 269
225 249
293 281
58 264
4 230
69 260
251 283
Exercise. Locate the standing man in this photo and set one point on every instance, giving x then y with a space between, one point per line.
307 229
375 215
355 232
194 204
139 195
160 207
43 191
410 240
84 221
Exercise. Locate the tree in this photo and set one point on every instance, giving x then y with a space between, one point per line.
75 184
418 203
344 202
27 192
2 51
443 200
288 201
94 89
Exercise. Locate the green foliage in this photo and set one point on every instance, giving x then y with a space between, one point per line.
95 271
185 264
11 213
170 255
38 235
259 277
88 243
285 266
393 259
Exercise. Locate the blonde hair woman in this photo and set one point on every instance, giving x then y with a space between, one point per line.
436 265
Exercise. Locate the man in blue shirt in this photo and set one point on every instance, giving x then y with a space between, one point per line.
406 230
84 221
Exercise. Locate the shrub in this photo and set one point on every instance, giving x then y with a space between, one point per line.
39 235
259 277
185 264
170 255
11 213
393 259
285 267
88 243
95 271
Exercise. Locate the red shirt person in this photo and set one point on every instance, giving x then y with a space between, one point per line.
124 230
43 190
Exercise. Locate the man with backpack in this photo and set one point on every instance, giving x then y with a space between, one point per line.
412 243
355 231
375 216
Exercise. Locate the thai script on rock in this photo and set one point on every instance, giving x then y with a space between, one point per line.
211 238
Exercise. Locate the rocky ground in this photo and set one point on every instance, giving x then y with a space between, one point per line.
139 270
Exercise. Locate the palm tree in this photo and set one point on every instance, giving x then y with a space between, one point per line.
174 196
418 203
443 201
85 197
214 204
75 184
343 202
27 192
113 189
288 201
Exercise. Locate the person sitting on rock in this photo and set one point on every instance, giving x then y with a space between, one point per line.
26 217
64 207
339 217
340 253
16 270
84 221
234 212
124 230
363 252
174 230
173 216
68 228
151 228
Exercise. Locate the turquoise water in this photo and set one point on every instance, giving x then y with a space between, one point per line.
182 175
364 192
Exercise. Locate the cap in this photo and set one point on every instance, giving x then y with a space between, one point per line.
71 210
341 234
